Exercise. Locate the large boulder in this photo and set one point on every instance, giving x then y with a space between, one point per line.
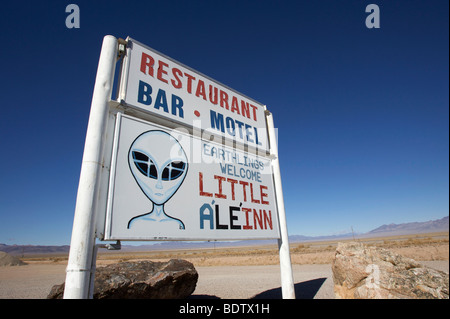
363 272
8 260
175 279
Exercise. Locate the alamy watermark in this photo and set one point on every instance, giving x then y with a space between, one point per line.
73 19
373 19
373 280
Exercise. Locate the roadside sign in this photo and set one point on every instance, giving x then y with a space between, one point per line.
152 168
163 87
168 185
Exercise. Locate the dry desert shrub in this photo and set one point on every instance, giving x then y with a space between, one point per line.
428 252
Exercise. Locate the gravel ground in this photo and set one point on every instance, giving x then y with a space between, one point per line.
242 282
34 281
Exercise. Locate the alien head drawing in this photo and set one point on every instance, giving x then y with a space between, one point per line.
159 165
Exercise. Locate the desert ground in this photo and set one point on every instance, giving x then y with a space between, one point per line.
233 272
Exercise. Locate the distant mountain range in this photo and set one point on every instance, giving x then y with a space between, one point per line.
19 250
416 227
438 225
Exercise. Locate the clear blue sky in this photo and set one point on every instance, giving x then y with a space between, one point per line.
362 114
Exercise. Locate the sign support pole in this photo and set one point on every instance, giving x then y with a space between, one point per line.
287 280
79 267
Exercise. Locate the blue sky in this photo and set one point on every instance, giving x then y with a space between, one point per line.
362 114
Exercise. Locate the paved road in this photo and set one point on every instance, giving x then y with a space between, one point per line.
242 282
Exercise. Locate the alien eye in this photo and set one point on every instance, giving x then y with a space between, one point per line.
173 171
145 165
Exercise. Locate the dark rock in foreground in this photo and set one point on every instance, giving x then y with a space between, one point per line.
175 279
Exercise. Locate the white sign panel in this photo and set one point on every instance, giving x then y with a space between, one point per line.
163 87
169 185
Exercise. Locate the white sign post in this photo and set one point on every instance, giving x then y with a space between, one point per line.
80 264
179 156
287 280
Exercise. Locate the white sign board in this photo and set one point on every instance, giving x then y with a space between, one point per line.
165 88
169 185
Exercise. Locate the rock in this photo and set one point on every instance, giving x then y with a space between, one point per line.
363 272
8 260
175 279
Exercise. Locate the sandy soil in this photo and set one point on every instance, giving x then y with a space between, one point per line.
32 281
242 282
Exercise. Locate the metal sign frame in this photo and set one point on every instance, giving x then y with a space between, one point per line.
91 205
